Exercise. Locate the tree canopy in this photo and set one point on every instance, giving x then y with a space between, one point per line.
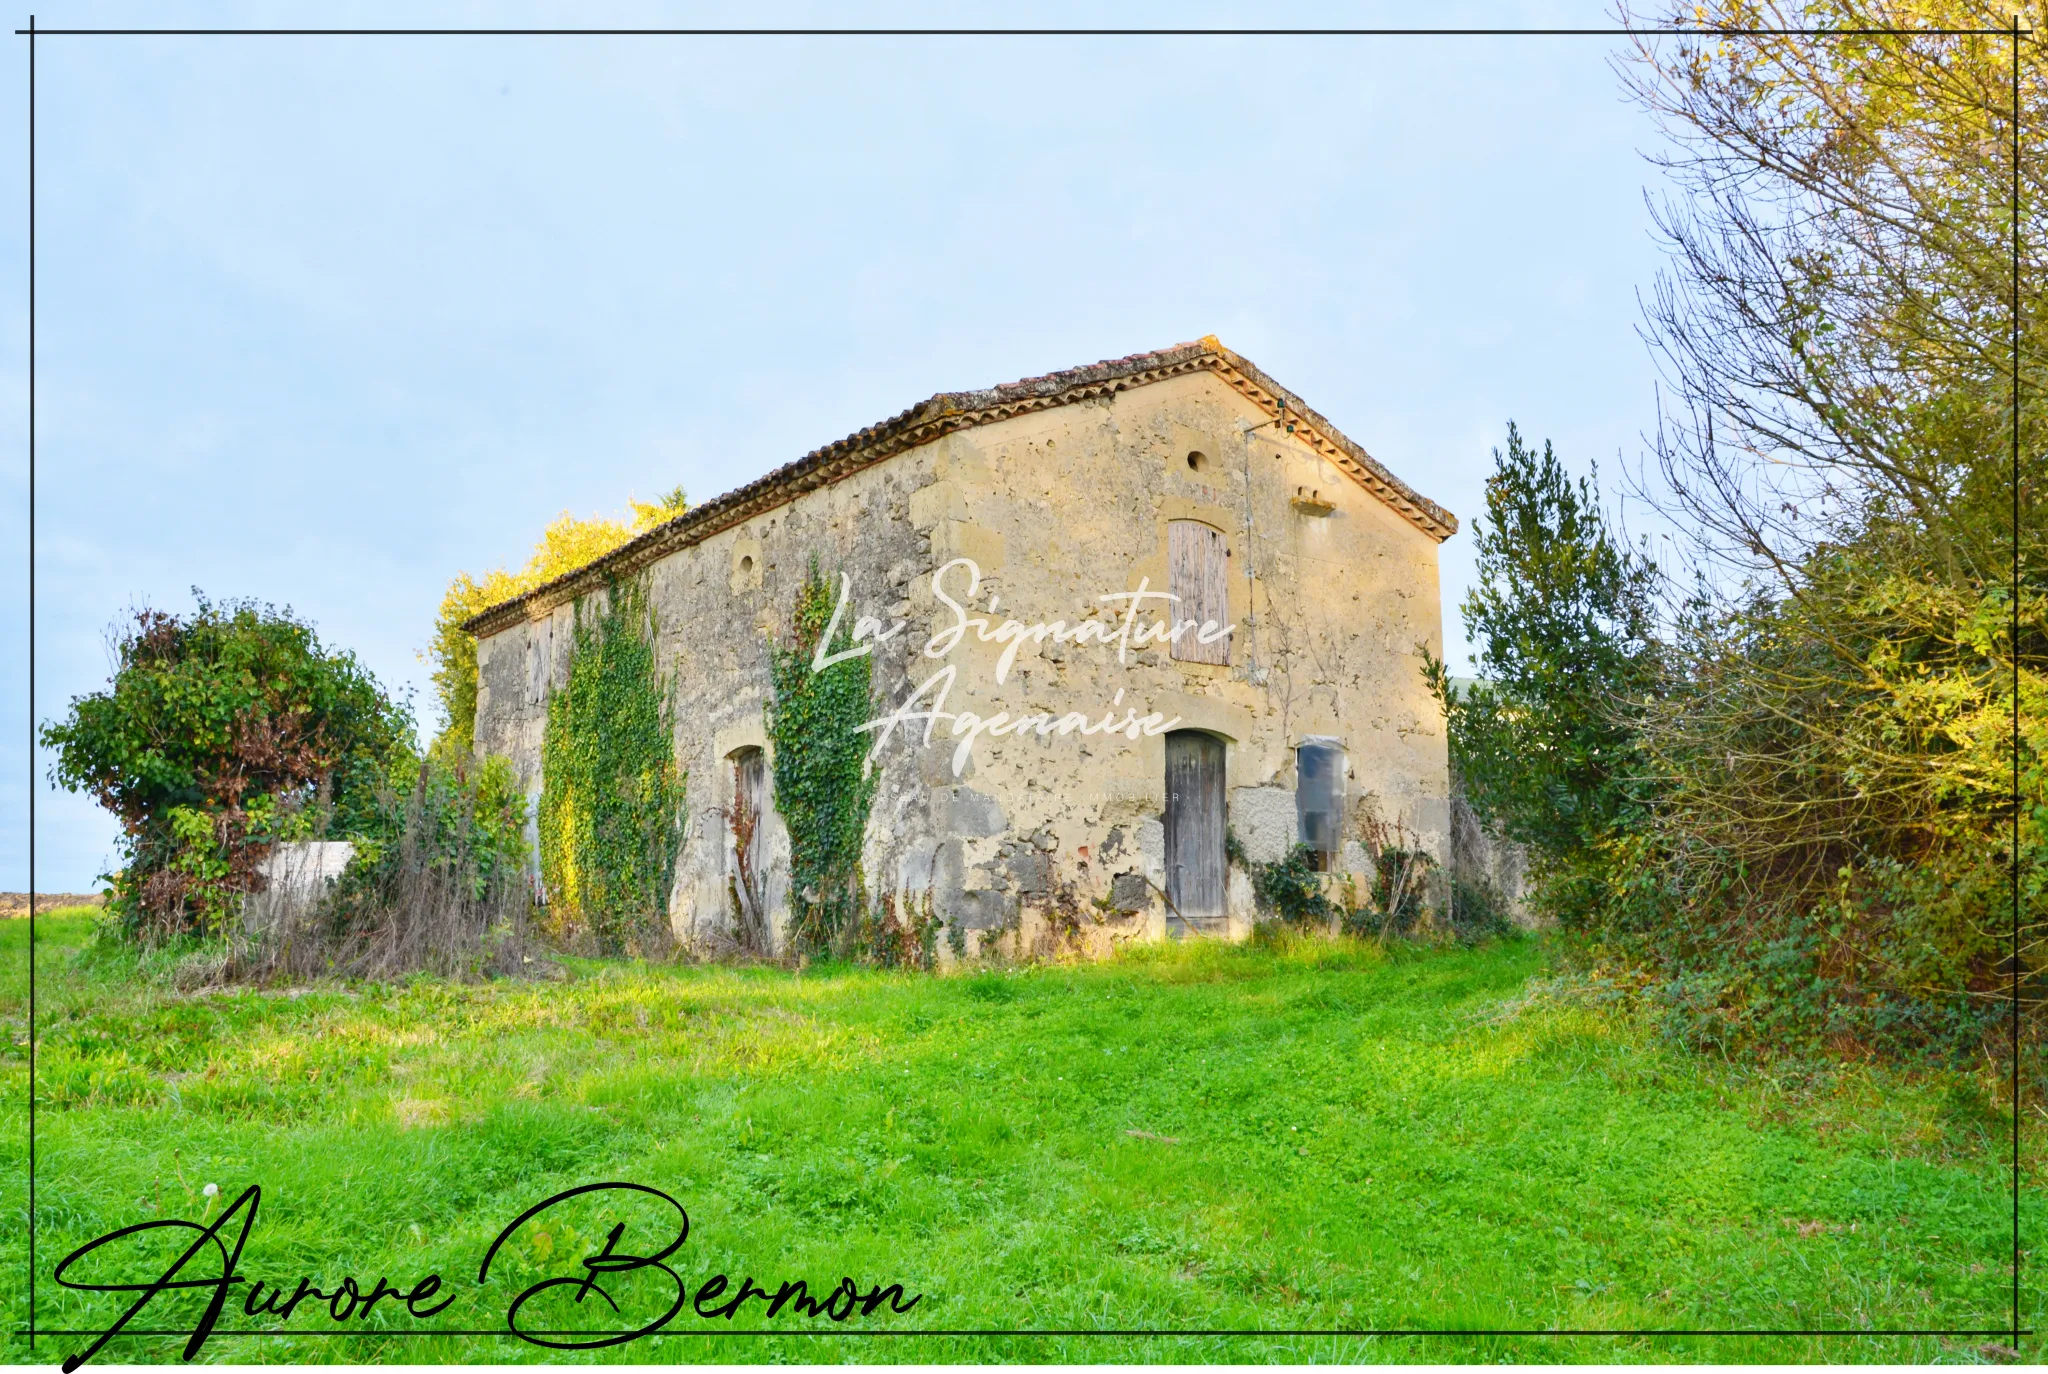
565 545
1564 620
215 728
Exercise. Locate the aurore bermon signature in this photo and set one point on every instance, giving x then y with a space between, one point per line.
349 1301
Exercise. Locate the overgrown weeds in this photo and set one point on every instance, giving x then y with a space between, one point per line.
897 934
413 916
438 887
1408 895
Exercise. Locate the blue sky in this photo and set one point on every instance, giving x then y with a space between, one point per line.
324 321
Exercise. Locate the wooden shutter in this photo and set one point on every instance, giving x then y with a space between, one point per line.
1198 573
1195 827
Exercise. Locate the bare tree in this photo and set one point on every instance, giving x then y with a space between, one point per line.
1854 289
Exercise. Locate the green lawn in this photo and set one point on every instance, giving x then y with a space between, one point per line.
1191 1138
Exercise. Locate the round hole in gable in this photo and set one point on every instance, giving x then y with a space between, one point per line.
1198 461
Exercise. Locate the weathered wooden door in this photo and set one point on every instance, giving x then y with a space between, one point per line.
1194 827
743 847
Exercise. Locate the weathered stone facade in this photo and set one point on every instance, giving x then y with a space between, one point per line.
1061 490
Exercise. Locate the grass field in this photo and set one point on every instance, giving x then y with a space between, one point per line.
1190 1138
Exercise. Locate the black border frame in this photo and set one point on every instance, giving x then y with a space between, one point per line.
2014 34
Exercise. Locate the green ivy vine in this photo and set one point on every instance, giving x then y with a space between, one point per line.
1291 888
823 785
611 805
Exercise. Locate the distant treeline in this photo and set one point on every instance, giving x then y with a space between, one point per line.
16 903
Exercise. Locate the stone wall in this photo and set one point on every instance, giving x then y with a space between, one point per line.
1480 854
295 874
1042 842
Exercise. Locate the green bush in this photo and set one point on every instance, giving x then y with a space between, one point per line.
438 885
1402 888
1844 832
1478 911
220 733
1565 621
466 817
1290 889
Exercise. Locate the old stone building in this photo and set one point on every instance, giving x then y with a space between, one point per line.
1008 557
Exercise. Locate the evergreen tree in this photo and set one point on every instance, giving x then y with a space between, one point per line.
1564 618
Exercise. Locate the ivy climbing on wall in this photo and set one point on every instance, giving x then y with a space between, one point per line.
823 786
611 805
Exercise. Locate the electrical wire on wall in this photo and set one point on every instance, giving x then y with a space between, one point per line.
1251 643
1254 674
